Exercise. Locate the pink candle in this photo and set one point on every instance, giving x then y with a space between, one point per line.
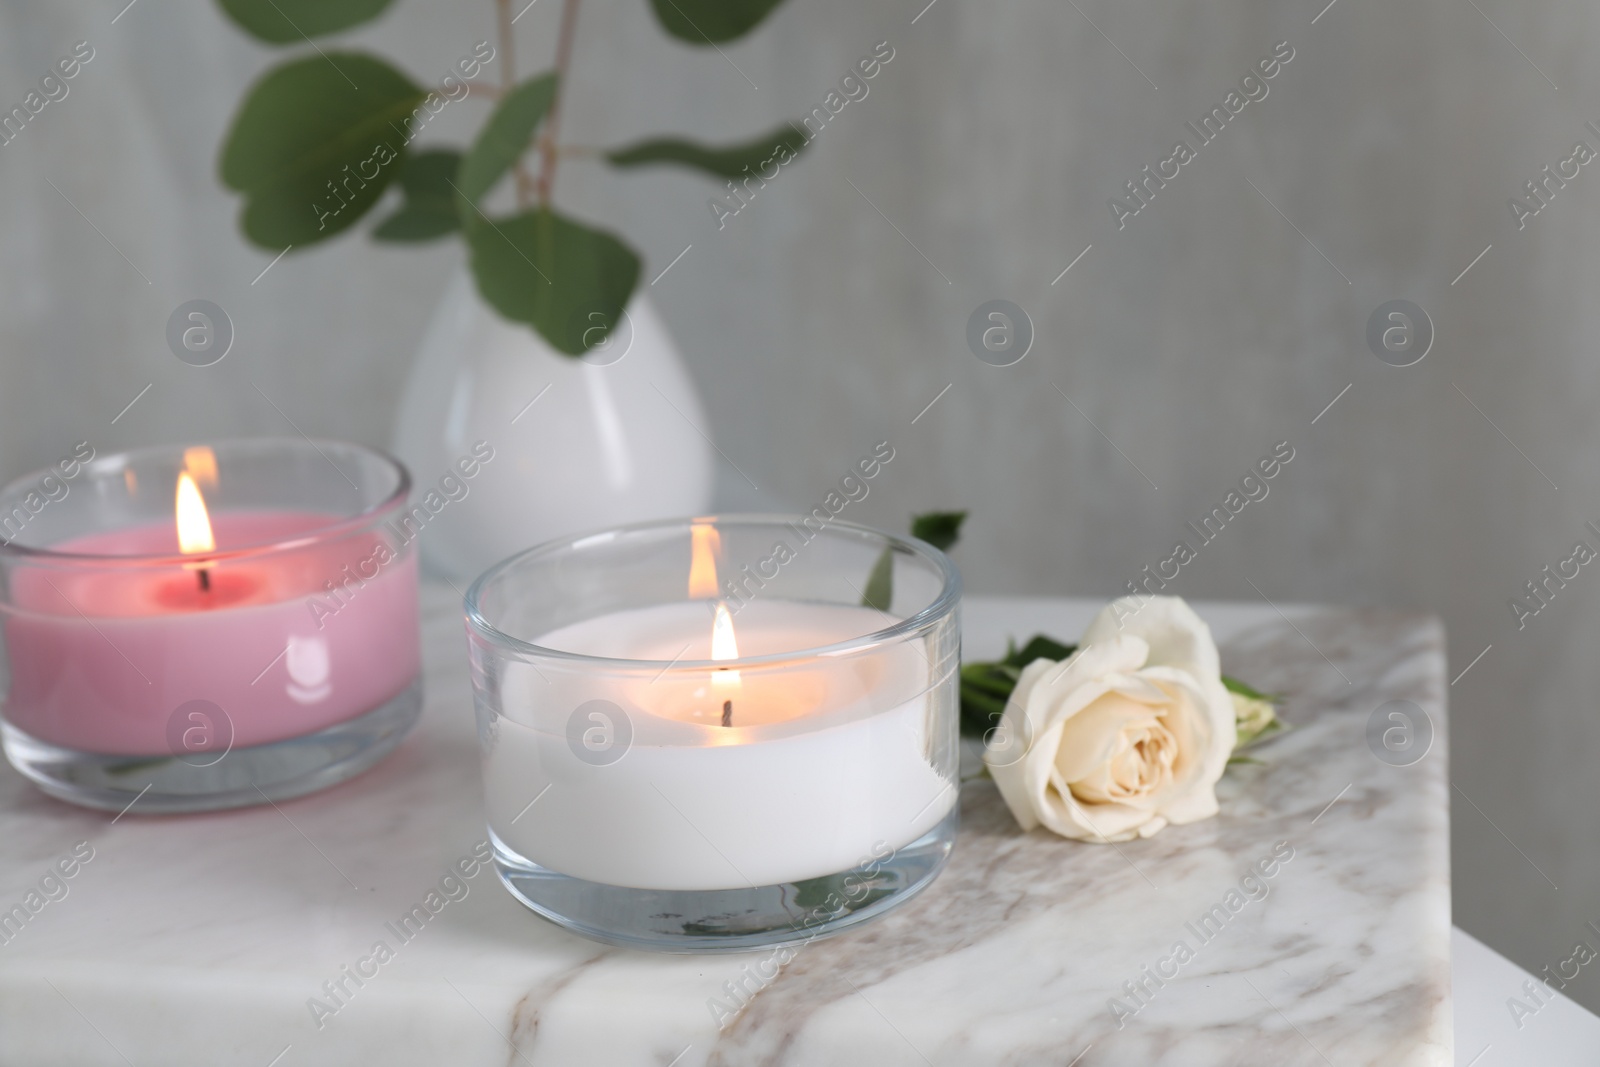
201 627
101 657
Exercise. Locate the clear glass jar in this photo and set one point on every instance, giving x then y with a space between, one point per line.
268 648
696 735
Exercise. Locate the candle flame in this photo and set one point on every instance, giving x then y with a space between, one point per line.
201 462
723 646
194 525
705 546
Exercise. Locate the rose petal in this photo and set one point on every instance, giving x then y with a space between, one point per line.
1176 635
1077 681
1010 776
1093 822
1153 827
1178 638
1209 741
1138 687
1199 803
1053 804
1089 739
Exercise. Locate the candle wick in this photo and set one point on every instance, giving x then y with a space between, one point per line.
205 580
727 713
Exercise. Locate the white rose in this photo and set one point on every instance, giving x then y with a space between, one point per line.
1126 735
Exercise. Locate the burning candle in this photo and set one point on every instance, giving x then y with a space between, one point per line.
218 653
683 756
194 525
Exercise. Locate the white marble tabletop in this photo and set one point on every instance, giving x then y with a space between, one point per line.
204 939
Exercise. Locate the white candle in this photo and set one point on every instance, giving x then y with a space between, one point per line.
827 762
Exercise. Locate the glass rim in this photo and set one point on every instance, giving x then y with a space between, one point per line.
118 460
939 608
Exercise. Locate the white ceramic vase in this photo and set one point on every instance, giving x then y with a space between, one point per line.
576 444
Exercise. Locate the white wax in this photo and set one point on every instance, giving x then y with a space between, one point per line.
839 758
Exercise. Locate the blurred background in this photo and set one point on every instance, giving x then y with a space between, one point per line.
1175 353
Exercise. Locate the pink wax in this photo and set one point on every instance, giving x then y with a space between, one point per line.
103 653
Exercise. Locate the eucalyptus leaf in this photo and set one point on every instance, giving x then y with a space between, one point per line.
567 280
287 21
711 21
880 583
429 209
730 161
505 137
315 144
941 529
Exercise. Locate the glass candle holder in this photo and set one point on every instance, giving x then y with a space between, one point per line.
207 627
714 734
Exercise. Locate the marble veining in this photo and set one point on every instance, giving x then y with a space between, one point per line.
200 940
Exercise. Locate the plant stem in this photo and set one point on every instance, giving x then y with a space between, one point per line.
508 80
552 122
508 74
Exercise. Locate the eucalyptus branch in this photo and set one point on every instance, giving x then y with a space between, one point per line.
552 122
300 119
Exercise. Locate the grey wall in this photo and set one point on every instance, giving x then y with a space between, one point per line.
1196 338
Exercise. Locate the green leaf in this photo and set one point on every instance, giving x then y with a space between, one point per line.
817 893
880 583
429 209
990 679
1038 647
980 711
987 685
570 282
286 21
315 144
941 529
728 162
836 894
710 21
1233 685
506 135
134 766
